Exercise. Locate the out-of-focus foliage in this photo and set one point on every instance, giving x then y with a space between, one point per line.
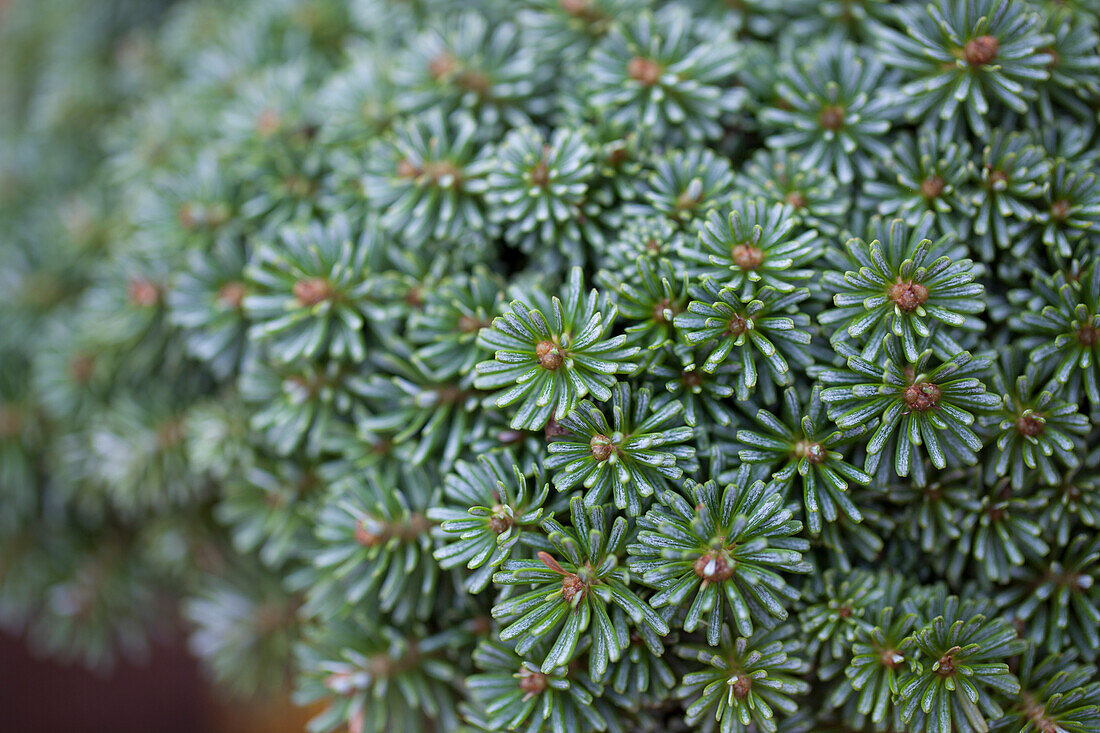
561 365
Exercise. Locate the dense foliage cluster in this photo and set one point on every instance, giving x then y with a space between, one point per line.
562 365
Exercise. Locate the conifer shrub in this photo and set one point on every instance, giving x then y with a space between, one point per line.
561 365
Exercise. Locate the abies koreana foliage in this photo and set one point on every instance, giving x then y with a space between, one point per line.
561 365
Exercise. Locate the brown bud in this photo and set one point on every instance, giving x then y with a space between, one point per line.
580 9
714 567
1060 210
742 685
469 324
381 666
832 117
618 155
232 294
532 683
747 257
997 179
981 50
268 122
738 325
1088 335
540 174
1030 424
407 169
601 447
692 379
921 397
312 291
142 293
946 666
442 65
795 199
414 296
932 187
644 71
908 295
572 588
891 658
499 522
815 453
549 354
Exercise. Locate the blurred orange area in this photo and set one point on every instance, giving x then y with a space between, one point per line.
268 716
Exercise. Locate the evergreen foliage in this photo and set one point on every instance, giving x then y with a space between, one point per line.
561 365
